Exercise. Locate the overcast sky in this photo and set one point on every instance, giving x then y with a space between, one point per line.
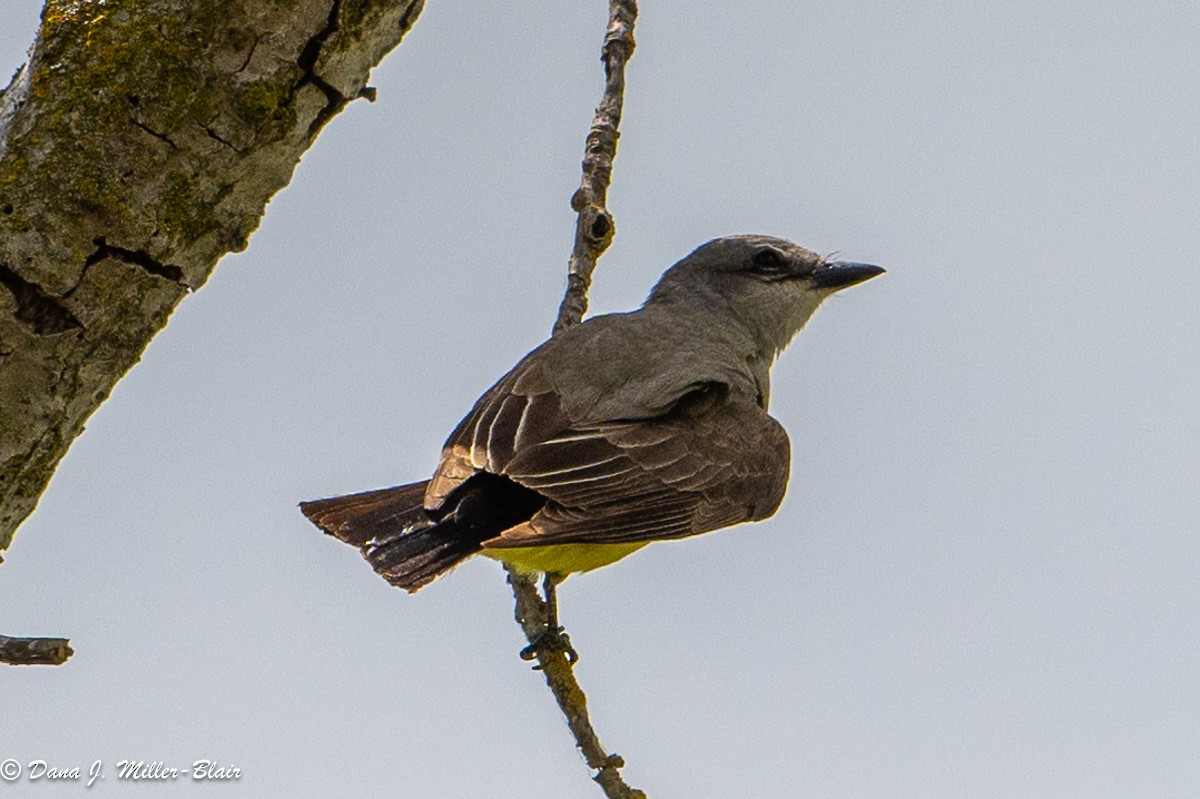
983 580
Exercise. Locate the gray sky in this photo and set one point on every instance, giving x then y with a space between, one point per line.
983 581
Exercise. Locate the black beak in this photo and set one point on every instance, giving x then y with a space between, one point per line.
837 275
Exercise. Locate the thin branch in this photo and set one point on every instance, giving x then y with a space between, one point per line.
34 651
532 615
594 226
594 230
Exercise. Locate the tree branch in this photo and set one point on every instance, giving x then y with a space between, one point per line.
138 145
532 615
594 230
34 651
594 227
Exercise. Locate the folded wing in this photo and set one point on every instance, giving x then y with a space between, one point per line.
711 460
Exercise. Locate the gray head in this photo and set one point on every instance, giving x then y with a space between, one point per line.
769 286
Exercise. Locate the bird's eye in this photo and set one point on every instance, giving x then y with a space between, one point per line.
768 258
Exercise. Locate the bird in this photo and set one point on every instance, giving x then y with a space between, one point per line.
629 428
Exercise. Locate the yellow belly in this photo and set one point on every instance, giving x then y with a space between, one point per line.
563 558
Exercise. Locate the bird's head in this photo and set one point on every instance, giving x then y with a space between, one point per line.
768 285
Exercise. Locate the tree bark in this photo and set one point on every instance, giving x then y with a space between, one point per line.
138 145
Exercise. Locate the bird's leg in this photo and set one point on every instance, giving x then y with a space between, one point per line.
549 585
553 638
553 629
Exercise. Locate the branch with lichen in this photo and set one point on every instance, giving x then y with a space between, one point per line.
139 144
593 233
34 651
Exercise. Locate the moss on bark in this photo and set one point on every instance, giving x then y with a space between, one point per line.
139 144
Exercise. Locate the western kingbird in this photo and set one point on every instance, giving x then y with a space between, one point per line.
626 429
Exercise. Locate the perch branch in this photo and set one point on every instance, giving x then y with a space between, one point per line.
34 651
532 615
593 233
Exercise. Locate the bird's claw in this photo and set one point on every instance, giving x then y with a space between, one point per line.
550 641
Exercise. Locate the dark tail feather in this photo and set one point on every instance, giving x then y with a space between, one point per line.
358 518
395 534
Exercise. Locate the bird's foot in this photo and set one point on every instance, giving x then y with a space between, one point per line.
551 640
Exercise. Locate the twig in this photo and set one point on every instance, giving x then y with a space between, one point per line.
594 226
34 651
532 615
593 233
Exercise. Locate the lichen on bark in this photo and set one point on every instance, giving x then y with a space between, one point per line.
138 145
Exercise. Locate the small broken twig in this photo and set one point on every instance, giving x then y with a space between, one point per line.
34 651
